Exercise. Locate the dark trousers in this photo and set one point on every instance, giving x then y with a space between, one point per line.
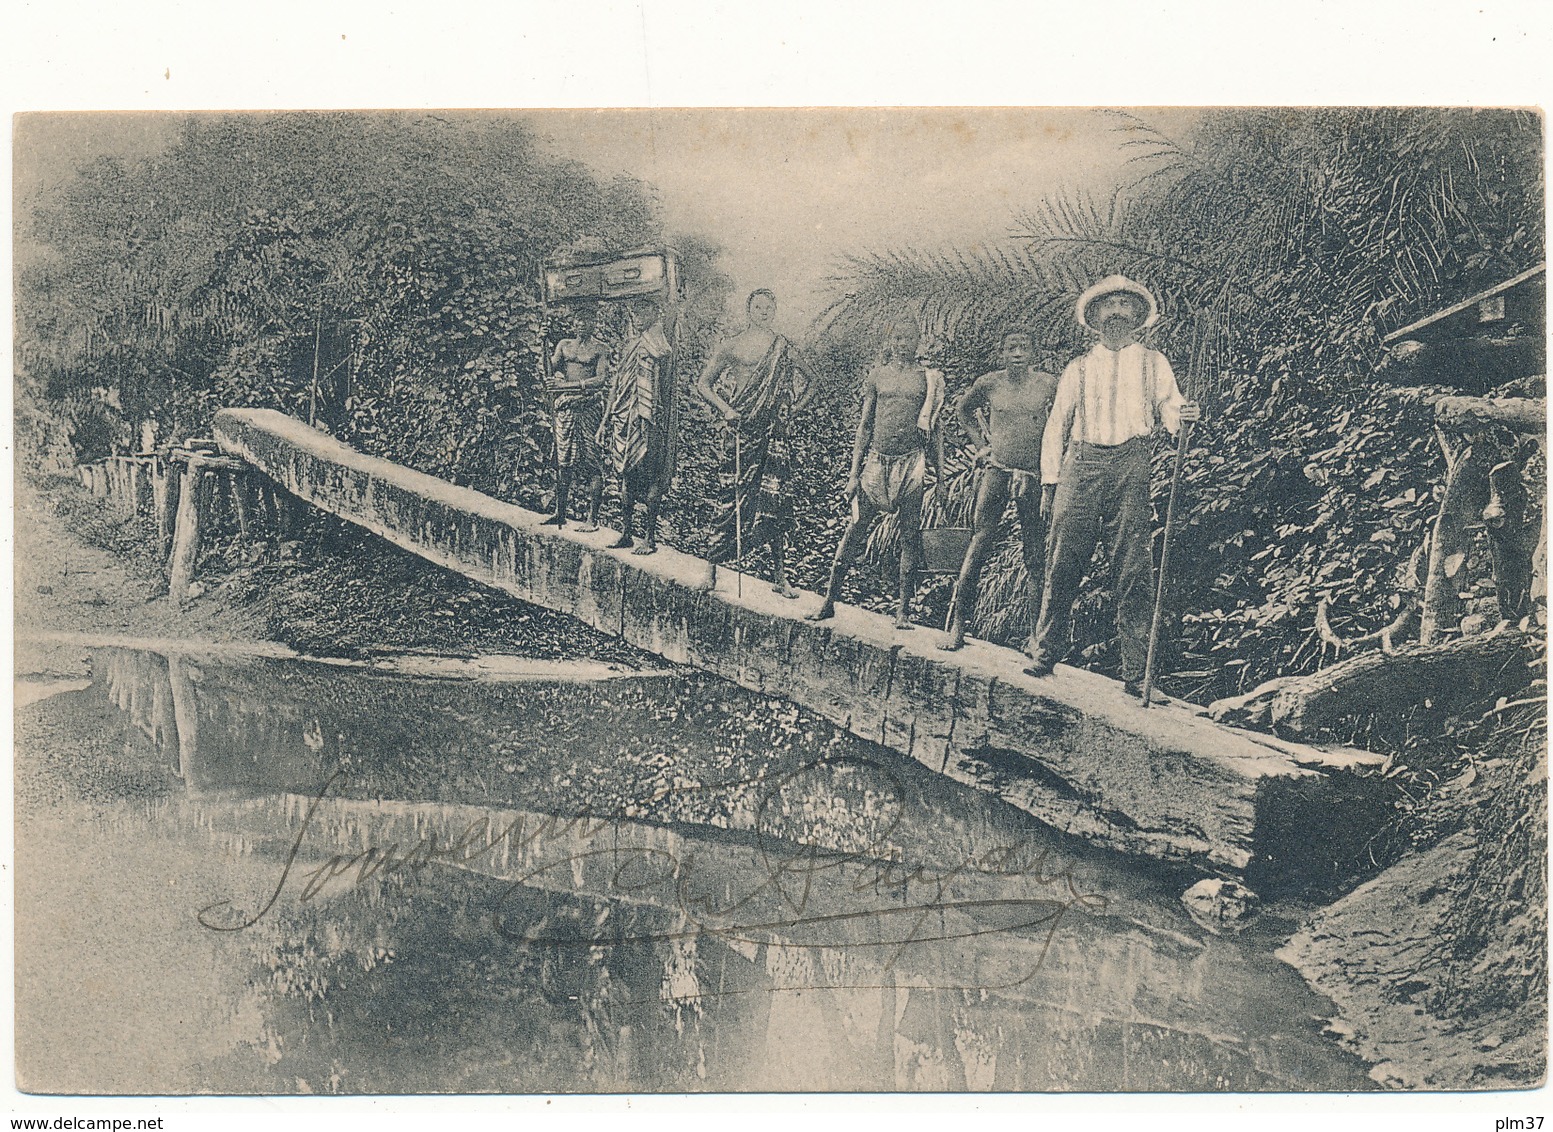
1103 496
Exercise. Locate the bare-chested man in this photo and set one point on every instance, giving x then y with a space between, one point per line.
901 402
758 370
579 376
1014 402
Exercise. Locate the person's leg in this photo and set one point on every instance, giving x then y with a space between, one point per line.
629 486
562 487
863 514
991 499
1075 529
779 572
589 469
562 430
1129 536
656 488
908 521
595 490
1032 538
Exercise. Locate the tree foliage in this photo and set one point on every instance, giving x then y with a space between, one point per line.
1282 245
376 274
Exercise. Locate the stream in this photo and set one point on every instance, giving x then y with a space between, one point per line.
249 874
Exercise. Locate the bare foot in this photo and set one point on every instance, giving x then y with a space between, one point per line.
784 589
823 613
588 528
622 542
554 521
646 548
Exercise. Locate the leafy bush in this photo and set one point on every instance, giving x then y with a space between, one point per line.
374 274
1282 247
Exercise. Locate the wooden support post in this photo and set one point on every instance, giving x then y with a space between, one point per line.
241 487
1509 537
186 534
219 497
169 488
263 506
121 498
1466 494
285 512
137 484
129 485
262 498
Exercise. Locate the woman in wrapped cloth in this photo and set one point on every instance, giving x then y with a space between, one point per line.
758 370
640 425
578 364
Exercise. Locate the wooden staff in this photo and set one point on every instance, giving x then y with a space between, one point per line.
1199 348
1164 560
738 511
544 383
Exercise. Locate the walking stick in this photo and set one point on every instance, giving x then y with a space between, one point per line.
1164 560
544 382
738 512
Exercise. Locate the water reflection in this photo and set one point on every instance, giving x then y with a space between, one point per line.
614 886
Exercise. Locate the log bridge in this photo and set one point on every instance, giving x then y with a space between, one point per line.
1072 749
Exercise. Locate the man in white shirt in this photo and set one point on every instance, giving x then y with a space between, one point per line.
1095 471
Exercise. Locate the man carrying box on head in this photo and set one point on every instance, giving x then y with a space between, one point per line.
1095 471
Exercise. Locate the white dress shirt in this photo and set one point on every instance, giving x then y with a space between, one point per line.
1125 393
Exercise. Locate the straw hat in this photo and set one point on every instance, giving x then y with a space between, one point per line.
1111 285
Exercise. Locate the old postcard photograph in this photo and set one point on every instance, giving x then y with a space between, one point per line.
627 602
780 600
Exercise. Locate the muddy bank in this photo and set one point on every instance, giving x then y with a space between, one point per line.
1439 965
1383 954
328 591
78 568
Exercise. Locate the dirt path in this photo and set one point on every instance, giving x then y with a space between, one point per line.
335 592
66 583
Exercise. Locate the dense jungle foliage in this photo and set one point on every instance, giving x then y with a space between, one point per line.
1282 245
377 275
374 274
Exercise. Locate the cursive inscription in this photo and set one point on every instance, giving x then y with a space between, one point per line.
749 893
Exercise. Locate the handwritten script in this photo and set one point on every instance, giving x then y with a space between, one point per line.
766 887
